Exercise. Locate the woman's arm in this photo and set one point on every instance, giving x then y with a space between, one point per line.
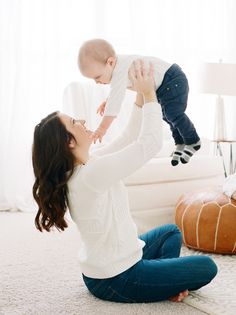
106 170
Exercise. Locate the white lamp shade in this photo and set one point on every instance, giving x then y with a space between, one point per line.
218 78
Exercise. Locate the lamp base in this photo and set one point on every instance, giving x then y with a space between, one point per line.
220 125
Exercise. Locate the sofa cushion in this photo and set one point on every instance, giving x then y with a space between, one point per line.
160 170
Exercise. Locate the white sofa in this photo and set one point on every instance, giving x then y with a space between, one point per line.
155 188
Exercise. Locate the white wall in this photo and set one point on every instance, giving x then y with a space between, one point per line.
39 44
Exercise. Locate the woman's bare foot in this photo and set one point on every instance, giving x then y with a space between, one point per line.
179 297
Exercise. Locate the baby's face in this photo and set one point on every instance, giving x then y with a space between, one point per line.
99 72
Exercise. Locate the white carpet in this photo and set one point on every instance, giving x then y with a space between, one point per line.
39 274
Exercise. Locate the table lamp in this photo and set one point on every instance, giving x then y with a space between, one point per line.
220 79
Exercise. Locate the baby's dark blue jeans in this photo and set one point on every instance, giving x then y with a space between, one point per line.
173 96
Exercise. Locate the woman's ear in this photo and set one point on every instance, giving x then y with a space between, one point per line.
72 143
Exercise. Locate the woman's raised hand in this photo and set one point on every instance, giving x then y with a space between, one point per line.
142 78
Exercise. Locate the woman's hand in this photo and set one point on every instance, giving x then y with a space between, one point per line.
142 80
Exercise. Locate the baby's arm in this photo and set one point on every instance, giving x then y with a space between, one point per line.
102 129
113 104
129 133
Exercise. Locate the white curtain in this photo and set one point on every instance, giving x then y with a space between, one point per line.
39 41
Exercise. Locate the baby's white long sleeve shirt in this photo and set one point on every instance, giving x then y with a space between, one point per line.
120 80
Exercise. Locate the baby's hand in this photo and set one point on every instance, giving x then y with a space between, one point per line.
101 108
98 135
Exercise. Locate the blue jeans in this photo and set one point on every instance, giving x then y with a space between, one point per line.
160 274
173 96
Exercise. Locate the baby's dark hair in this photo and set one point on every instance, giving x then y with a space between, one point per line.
96 50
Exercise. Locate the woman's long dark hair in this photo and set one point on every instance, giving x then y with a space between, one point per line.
52 159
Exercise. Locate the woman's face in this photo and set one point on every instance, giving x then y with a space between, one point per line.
78 129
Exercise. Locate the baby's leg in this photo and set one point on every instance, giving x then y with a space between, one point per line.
177 154
189 150
173 100
186 129
178 142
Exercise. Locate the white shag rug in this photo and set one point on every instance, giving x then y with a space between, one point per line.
39 274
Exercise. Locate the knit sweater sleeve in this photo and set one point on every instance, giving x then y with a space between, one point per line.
104 171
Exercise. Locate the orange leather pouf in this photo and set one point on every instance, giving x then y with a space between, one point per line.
207 219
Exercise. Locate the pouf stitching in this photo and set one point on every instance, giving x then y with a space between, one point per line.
187 200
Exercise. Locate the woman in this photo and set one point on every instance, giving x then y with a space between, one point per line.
117 265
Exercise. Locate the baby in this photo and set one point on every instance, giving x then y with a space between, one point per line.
98 60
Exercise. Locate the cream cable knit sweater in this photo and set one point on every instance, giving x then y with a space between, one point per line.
98 201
